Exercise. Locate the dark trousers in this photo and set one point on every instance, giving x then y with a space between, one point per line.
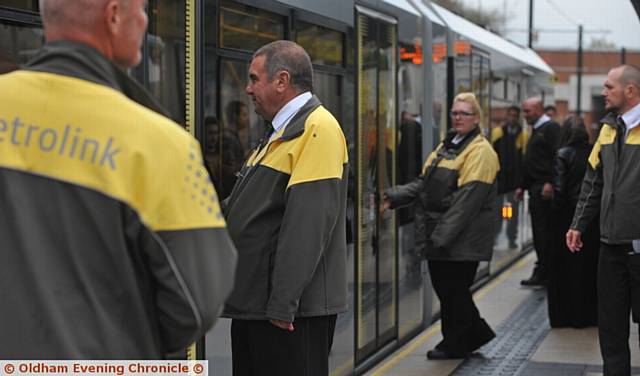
541 226
618 294
463 330
260 348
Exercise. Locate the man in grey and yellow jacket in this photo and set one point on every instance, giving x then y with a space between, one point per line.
610 186
286 215
113 243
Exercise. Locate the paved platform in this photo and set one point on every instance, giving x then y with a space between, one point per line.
525 344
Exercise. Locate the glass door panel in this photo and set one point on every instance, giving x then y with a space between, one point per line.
376 281
386 179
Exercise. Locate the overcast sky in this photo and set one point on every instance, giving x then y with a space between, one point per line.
617 16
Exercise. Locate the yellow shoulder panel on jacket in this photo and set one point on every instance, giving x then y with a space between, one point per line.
521 140
606 137
127 152
633 138
496 134
430 158
319 153
480 163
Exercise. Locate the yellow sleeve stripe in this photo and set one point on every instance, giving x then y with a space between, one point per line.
128 153
594 157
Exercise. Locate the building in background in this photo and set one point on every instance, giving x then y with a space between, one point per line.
596 64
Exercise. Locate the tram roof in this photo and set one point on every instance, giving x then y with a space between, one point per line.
501 49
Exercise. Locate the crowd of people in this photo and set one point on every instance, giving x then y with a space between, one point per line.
98 247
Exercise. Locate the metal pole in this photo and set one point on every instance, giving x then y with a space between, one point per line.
530 24
579 69
623 56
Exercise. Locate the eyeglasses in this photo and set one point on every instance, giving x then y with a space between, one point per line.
454 114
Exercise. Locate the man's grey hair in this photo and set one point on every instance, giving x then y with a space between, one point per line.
284 55
72 14
630 75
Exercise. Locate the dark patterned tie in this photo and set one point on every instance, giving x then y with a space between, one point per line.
621 130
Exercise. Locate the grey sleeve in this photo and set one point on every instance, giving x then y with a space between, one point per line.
194 272
312 211
403 195
590 197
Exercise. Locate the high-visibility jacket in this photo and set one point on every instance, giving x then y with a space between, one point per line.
113 244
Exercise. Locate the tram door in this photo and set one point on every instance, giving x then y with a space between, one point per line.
376 263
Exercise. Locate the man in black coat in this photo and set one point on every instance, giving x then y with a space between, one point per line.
537 179
509 141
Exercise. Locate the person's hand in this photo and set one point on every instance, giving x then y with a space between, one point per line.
288 326
547 191
518 194
385 203
574 241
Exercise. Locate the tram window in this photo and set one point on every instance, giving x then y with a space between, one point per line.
462 73
229 137
498 88
440 110
247 28
327 88
513 91
325 46
30 5
166 57
17 45
480 83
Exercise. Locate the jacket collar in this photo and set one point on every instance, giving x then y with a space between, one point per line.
296 126
609 119
450 150
81 61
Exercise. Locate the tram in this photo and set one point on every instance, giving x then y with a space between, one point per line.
388 71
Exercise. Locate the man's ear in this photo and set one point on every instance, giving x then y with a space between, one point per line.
284 80
113 16
631 90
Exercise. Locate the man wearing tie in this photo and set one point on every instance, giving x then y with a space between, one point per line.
286 215
610 186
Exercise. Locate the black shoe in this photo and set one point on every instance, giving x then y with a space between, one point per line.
535 280
436 354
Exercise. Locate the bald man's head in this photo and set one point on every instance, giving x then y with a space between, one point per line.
630 75
622 89
114 27
532 109
71 14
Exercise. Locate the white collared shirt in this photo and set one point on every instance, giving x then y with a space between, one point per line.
286 113
631 118
541 120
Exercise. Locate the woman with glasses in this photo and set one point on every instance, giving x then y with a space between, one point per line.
454 199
